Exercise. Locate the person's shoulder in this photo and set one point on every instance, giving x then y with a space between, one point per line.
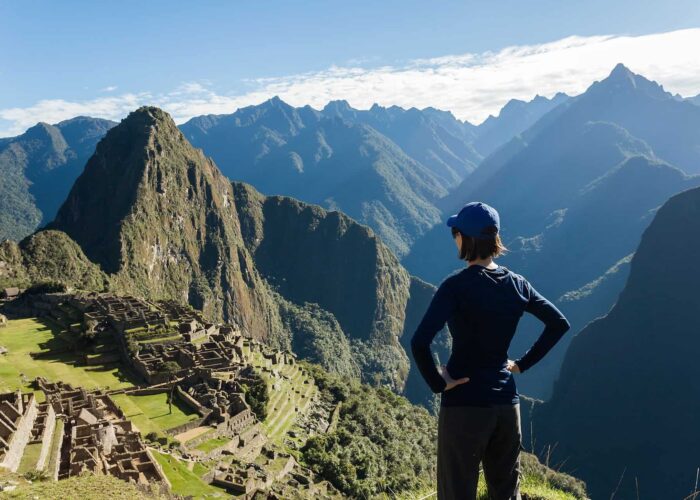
522 283
516 276
452 279
456 280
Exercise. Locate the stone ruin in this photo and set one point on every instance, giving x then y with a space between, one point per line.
18 413
97 437
222 350
213 367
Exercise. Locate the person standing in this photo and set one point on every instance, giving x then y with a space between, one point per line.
479 417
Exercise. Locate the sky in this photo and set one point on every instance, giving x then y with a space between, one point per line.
69 58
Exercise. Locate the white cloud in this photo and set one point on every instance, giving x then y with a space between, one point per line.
110 88
472 86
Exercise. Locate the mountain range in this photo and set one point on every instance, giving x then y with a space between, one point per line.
563 172
327 157
385 167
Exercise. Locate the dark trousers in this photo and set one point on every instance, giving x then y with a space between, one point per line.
468 435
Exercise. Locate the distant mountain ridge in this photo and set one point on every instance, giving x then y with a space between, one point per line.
385 167
38 169
514 118
415 155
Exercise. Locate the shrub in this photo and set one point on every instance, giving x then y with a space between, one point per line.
36 475
256 393
46 287
382 443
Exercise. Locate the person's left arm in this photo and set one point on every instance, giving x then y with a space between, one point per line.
443 305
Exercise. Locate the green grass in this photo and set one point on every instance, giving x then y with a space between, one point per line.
151 414
212 444
151 340
29 458
23 336
535 489
184 481
86 487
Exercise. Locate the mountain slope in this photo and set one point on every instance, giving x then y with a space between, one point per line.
39 167
439 142
647 346
313 256
568 158
588 242
575 192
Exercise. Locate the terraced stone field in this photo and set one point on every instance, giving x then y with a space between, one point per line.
287 392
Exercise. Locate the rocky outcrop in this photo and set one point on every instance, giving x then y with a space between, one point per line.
311 255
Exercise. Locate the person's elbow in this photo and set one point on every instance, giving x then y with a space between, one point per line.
563 325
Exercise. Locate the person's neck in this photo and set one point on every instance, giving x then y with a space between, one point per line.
487 263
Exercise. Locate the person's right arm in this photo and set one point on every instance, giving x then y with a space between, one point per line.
555 326
442 306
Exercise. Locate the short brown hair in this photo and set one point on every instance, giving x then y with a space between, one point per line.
480 248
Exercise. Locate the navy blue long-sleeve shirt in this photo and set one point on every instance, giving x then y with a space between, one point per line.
482 308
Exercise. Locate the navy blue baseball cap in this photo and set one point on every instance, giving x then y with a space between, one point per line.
474 220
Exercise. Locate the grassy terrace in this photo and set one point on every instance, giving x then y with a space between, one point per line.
53 455
29 458
187 482
212 444
18 369
87 487
151 413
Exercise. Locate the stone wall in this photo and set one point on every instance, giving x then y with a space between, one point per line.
56 452
20 438
46 437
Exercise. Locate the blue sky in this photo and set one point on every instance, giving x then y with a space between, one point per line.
80 55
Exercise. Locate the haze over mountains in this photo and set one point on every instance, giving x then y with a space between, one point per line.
329 157
385 167
563 172
551 166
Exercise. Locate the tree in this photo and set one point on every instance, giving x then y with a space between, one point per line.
171 369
